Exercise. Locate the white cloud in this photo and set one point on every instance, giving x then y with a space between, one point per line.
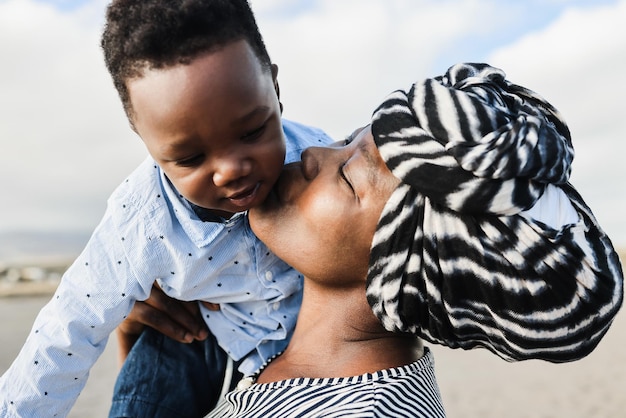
578 63
63 137
339 59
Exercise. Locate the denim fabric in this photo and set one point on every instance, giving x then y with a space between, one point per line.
162 378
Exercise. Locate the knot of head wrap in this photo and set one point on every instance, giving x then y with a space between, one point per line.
452 260
474 142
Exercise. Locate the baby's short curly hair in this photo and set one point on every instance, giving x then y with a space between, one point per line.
148 34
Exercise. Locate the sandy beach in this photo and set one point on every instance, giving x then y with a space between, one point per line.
473 383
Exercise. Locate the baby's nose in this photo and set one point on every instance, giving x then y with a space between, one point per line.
229 170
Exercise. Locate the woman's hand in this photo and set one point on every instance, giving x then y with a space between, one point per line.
176 319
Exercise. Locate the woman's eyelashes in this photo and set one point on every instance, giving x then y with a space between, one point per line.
346 179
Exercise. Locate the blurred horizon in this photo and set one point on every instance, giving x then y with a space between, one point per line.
62 247
45 247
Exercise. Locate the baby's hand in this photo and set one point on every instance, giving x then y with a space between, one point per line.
176 319
211 306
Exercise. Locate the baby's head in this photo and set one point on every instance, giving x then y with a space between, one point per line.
156 34
199 88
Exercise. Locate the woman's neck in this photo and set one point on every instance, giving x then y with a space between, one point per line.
338 335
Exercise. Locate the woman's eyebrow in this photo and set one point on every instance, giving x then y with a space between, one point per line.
371 163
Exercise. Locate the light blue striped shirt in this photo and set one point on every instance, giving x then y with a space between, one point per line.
149 232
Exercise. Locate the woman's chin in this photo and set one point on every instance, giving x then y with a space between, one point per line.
258 217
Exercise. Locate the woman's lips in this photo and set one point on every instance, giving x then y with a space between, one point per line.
245 197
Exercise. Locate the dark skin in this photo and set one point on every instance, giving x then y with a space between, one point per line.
174 318
336 334
321 219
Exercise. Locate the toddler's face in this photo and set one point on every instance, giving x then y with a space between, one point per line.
214 127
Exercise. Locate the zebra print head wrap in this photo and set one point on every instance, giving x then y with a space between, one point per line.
450 260
473 142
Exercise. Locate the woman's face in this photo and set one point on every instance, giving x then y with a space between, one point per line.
322 213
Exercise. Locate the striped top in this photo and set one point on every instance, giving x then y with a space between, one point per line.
408 391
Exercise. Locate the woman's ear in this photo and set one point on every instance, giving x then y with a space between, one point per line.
276 86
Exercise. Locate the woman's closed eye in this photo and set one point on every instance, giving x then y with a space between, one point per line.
346 179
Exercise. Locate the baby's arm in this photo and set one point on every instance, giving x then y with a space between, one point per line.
71 331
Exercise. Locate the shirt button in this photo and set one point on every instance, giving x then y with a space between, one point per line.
269 276
276 305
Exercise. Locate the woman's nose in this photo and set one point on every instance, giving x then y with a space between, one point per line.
230 169
311 158
315 158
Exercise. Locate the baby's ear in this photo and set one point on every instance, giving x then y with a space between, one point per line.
276 86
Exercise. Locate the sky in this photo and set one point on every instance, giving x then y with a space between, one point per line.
65 143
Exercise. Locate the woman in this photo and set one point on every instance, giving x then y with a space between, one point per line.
321 219
431 223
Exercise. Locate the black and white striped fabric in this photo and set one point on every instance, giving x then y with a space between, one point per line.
456 258
409 391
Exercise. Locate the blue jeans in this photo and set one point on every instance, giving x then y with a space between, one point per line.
162 378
